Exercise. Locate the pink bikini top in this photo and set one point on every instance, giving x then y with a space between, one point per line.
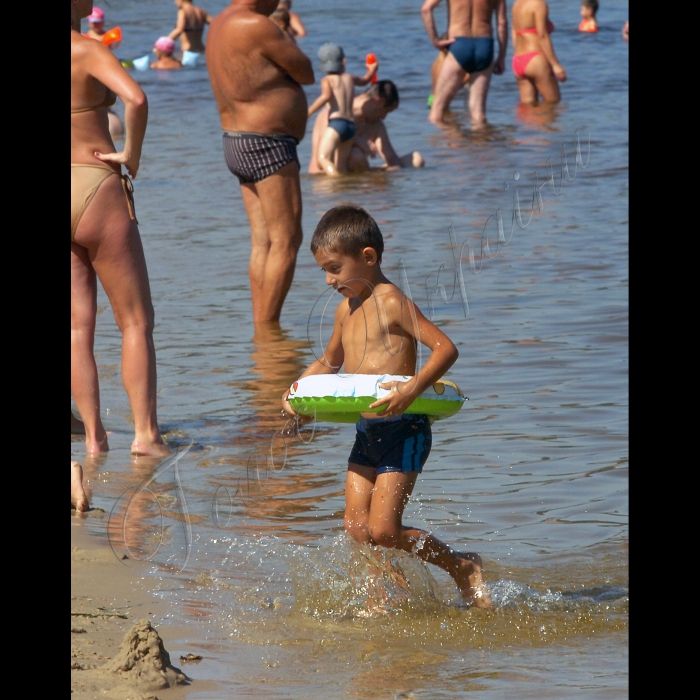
533 30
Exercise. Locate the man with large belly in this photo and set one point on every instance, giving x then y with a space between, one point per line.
256 73
470 50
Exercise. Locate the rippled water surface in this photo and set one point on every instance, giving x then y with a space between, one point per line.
532 473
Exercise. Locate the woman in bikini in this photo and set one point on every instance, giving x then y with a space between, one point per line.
535 64
105 240
190 26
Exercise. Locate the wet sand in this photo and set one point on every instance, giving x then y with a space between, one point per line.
107 601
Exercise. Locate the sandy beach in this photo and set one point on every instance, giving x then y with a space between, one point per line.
108 602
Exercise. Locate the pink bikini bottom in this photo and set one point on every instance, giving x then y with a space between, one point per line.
520 62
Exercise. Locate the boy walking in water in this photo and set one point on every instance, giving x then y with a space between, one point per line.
377 331
338 89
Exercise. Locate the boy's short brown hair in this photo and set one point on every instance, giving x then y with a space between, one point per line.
347 229
591 5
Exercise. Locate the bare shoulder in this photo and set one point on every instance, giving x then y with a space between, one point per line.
391 298
81 46
242 20
89 50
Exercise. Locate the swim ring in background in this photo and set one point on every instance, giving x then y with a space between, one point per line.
190 58
339 398
143 63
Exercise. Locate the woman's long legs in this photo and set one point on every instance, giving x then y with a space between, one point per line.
84 382
113 244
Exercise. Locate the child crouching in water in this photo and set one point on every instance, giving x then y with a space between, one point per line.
376 331
338 89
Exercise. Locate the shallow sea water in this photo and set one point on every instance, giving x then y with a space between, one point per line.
244 530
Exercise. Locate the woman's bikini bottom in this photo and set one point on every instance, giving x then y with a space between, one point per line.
521 60
85 180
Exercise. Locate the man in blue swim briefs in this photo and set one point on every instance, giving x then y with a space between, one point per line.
256 72
470 47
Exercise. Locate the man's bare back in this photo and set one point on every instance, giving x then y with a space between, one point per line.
470 17
470 50
256 71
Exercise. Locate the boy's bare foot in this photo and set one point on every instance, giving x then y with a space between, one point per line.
150 448
76 425
78 499
470 581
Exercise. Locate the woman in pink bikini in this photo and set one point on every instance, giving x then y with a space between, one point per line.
535 64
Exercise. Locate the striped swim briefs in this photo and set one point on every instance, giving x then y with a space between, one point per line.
253 157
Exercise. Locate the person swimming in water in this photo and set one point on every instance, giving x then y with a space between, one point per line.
536 67
190 26
163 49
589 23
96 20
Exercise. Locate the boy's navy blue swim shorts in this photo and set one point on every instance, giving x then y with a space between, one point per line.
397 444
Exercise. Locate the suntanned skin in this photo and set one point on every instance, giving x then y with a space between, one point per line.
164 61
108 246
188 15
78 498
544 70
466 18
256 73
296 26
371 138
376 331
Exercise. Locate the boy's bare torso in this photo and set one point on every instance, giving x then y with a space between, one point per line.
342 95
373 339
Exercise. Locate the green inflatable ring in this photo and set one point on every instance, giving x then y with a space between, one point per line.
339 398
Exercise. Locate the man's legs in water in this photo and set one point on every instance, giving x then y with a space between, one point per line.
449 81
273 206
478 91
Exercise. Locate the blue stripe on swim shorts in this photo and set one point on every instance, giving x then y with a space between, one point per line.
413 448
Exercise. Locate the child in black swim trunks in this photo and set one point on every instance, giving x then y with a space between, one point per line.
337 89
377 331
